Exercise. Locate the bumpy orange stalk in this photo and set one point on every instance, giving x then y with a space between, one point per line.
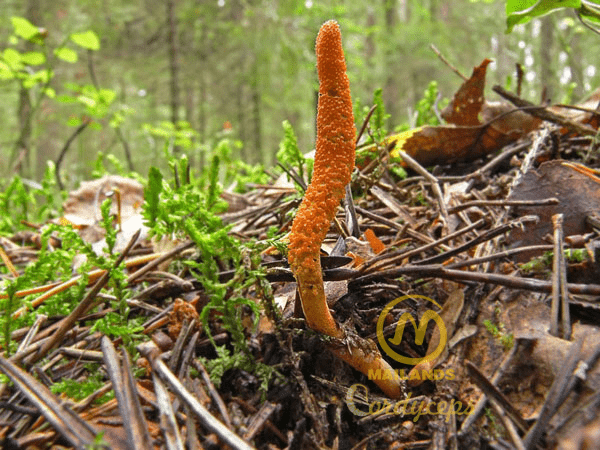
334 161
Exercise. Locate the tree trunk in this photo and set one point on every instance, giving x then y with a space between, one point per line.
391 89
240 127
547 76
257 124
576 64
21 156
202 96
173 60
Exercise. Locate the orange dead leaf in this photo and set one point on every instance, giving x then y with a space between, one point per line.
467 137
434 145
182 312
468 100
357 260
374 241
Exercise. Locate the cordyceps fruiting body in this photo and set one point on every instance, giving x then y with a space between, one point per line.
334 162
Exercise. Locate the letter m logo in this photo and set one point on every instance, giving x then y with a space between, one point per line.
419 330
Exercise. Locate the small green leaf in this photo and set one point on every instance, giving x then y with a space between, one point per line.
87 101
87 39
24 28
74 121
33 58
66 99
152 194
72 86
590 11
66 54
522 11
116 120
51 93
12 58
106 96
5 72
42 76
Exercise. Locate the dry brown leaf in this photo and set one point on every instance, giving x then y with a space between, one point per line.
466 137
468 100
506 119
447 144
578 196
83 205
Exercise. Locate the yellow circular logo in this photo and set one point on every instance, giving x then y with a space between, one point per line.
420 331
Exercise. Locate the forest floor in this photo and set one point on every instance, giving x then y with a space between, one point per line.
501 249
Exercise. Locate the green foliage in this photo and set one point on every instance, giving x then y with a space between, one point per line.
22 66
189 208
522 11
109 164
425 106
31 202
15 204
425 115
230 170
184 208
107 224
213 182
49 193
379 117
78 390
55 264
152 194
568 95
117 324
66 54
228 301
25 29
275 239
88 40
8 308
95 102
226 360
50 266
180 135
499 332
544 262
99 443
290 157
233 171
377 129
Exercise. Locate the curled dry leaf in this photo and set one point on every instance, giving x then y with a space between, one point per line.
83 205
477 128
82 210
182 312
468 100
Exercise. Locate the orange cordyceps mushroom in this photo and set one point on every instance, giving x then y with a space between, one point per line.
334 162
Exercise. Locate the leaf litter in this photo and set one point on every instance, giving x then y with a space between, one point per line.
502 233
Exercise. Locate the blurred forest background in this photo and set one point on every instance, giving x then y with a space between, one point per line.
182 75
